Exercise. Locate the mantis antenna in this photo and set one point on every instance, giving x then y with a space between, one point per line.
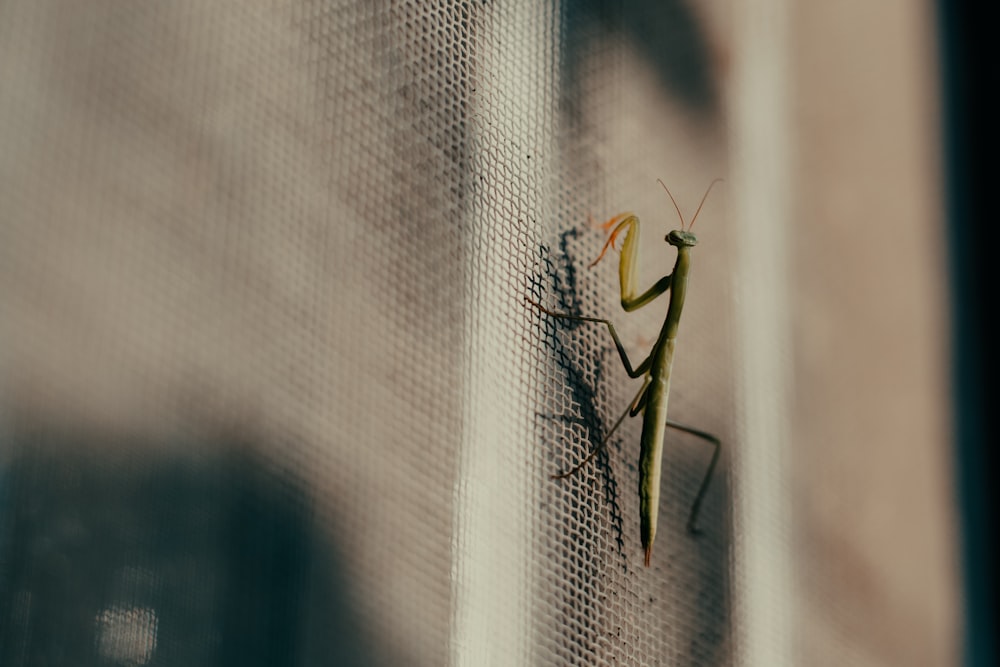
677 208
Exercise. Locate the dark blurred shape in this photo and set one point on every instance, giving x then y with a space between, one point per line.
970 110
663 32
115 556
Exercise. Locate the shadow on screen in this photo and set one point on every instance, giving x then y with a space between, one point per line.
139 559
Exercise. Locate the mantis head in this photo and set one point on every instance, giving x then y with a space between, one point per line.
681 239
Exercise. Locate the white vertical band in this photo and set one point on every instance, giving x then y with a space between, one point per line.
762 186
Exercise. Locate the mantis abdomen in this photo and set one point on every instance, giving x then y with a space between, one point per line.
654 424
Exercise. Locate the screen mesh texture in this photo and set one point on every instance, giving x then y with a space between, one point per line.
272 393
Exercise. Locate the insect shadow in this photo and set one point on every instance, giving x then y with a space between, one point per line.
582 381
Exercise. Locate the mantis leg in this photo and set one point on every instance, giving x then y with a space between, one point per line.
717 444
634 407
628 262
632 373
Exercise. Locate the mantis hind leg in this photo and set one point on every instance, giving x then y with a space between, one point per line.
717 445
634 407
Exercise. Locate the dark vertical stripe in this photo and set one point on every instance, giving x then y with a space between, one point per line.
970 78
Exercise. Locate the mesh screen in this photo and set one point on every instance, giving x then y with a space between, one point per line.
271 391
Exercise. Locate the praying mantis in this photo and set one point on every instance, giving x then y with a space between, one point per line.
652 398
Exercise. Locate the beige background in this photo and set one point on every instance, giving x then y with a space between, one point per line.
876 525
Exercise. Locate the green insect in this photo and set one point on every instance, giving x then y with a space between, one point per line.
651 400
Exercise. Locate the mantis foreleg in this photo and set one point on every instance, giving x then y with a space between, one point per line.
628 262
